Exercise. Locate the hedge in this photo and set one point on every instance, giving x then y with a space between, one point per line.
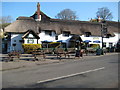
28 48
51 45
95 46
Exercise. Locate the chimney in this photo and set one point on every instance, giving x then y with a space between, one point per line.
38 12
99 20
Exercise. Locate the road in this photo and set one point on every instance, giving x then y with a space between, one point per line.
99 72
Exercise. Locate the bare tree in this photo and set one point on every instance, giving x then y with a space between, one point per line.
6 19
104 13
67 14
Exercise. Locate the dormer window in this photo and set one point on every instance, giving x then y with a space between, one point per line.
47 32
104 44
65 33
108 35
87 34
30 41
39 30
56 37
36 16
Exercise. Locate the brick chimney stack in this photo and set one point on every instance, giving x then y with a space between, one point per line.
38 12
99 19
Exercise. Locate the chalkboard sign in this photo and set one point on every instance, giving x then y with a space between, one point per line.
77 54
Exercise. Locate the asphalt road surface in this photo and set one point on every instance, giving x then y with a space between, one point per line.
99 72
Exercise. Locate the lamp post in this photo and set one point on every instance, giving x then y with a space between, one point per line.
102 34
103 31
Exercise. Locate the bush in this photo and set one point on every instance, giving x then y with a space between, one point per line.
51 45
28 48
94 46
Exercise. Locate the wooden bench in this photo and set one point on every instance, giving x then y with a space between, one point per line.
41 52
48 51
59 52
13 54
90 50
37 53
70 51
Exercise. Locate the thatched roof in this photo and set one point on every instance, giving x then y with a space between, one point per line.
22 24
113 26
24 18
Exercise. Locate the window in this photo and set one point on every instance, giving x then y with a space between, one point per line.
104 44
110 45
66 34
39 29
35 16
30 36
3 45
48 32
30 41
56 37
108 35
87 34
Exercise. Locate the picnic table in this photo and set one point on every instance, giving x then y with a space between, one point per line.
90 50
61 51
70 51
13 54
64 52
37 53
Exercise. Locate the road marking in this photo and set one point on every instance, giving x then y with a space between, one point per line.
70 75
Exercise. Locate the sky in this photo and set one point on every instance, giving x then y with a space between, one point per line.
84 10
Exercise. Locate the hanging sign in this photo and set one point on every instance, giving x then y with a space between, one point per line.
95 38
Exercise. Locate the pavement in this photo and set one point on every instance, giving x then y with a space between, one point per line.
26 61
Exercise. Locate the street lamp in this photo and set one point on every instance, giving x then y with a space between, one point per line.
103 31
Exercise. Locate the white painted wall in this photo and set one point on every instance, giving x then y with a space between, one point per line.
15 39
113 40
106 40
44 37
92 38
26 41
33 41
61 37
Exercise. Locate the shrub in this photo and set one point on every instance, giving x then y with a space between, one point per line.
95 46
28 48
51 45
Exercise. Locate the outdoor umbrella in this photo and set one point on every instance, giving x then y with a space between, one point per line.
46 41
87 41
63 41
97 41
